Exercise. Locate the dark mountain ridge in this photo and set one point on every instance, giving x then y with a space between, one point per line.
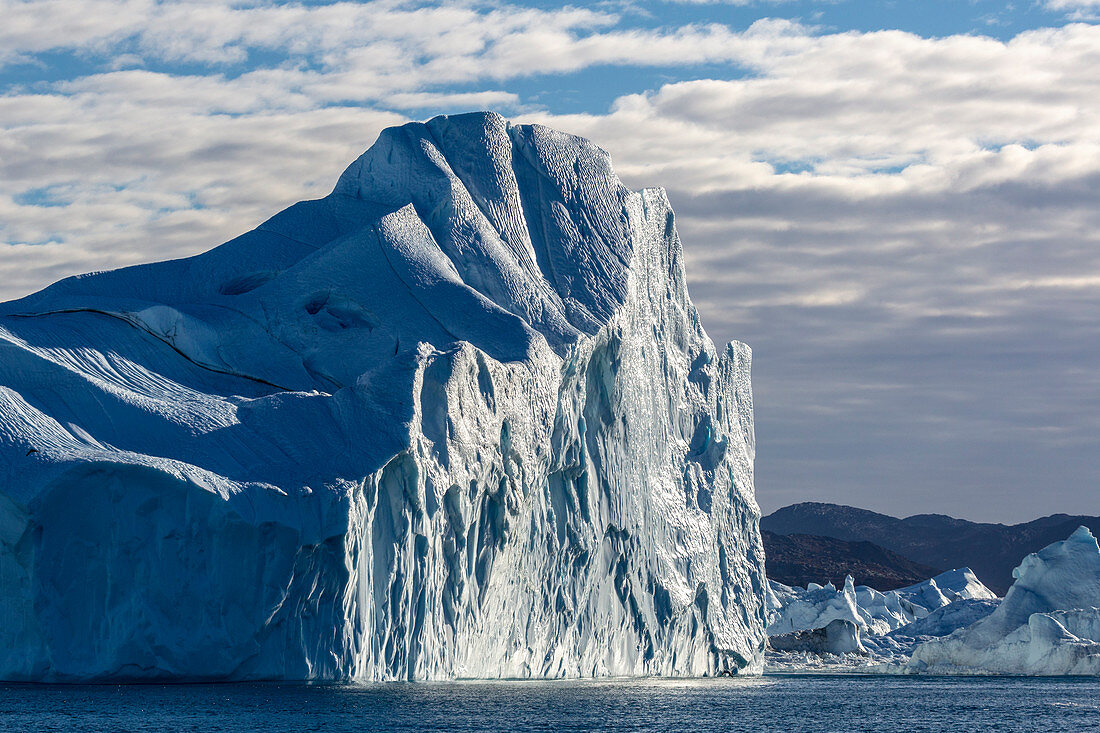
798 559
937 540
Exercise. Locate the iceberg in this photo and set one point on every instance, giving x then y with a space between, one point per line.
872 611
892 651
960 584
1048 623
947 619
458 418
860 629
839 636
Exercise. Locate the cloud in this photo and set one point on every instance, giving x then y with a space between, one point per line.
402 44
1086 10
1072 4
855 105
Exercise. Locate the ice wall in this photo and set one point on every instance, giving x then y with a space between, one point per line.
456 419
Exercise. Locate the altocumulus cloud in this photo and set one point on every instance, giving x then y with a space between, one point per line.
904 228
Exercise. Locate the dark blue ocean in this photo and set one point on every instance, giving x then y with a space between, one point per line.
779 703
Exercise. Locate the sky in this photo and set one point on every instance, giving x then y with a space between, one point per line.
895 204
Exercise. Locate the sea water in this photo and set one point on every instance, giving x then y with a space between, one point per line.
779 703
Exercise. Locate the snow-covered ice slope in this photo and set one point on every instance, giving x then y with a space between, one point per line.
1048 623
944 589
456 419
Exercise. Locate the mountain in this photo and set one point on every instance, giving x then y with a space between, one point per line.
456 419
798 559
990 550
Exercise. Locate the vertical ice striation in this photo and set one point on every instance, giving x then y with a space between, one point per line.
456 419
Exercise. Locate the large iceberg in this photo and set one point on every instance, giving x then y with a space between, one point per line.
456 419
1048 623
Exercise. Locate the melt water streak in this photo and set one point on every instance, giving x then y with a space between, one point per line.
456 419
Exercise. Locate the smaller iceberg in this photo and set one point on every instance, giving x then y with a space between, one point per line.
874 612
860 629
946 588
839 636
947 620
1048 623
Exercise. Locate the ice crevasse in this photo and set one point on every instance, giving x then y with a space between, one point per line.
456 419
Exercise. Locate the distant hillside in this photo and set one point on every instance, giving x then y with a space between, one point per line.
798 559
990 550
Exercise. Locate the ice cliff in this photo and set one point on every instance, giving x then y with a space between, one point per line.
1048 623
456 419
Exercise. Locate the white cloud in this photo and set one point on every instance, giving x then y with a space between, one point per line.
1072 4
404 44
1085 10
860 116
851 105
